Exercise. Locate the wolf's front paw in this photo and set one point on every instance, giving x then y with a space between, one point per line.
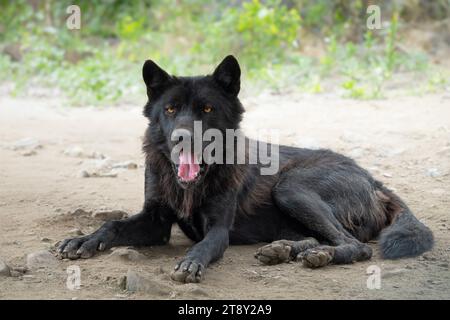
188 270
83 247
275 252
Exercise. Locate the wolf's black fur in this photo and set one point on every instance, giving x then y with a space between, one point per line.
321 207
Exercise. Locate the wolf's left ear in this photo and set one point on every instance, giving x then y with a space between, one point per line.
228 75
154 77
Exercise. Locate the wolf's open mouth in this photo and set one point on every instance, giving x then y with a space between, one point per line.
189 168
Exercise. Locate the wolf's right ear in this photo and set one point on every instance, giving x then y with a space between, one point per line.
228 75
154 77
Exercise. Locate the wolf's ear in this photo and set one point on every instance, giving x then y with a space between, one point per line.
228 75
154 77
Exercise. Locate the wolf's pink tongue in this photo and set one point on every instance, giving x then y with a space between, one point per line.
187 170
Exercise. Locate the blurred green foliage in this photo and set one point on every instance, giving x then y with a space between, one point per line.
101 63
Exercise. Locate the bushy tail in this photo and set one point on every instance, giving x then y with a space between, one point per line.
405 236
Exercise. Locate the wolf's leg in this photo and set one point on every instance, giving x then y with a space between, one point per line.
284 250
305 205
150 227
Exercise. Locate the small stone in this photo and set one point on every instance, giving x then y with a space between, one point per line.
83 174
15 274
97 174
444 265
428 256
137 283
122 282
80 212
5 270
26 144
75 232
125 165
75 151
433 172
387 175
46 239
127 254
110 215
41 259
29 153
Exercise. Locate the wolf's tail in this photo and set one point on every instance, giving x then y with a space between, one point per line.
405 236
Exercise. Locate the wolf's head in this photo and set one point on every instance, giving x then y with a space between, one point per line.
182 109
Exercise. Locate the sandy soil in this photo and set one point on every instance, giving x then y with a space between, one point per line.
405 142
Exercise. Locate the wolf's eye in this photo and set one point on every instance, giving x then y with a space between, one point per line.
170 110
207 109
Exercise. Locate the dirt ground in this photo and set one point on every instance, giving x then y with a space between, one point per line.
404 142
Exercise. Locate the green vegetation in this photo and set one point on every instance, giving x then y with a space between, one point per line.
101 62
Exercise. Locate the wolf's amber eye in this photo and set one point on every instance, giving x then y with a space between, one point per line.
207 109
170 110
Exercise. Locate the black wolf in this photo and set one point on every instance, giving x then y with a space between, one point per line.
319 208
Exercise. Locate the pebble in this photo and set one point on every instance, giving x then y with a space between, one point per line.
125 165
5 270
433 172
127 254
428 256
75 232
110 215
96 174
136 283
41 259
26 144
78 152
29 153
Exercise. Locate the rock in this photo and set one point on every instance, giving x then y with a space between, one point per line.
428 256
75 151
75 232
110 215
29 153
122 282
41 259
26 144
433 172
80 212
125 165
387 175
78 152
15 274
97 174
21 269
126 254
137 283
5 270
44 239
